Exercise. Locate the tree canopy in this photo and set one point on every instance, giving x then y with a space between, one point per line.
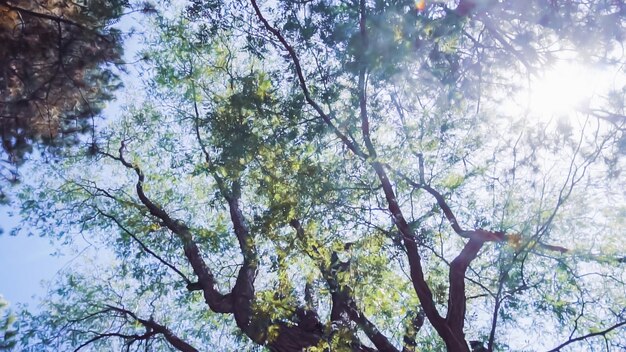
55 72
349 176
7 333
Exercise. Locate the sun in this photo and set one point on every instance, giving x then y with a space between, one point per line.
559 89
564 88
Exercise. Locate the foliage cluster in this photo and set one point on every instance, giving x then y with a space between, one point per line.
56 64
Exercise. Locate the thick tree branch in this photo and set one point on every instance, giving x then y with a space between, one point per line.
342 299
417 275
494 316
218 302
378 339
243 292
457 299
451 338
290 337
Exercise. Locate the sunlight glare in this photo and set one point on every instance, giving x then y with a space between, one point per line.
563 88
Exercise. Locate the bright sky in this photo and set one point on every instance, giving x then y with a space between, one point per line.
29 263
26 262
565 86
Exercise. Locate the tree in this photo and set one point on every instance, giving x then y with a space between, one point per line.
7 340
348 175
56 71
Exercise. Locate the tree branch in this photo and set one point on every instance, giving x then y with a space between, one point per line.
302 81
218 302
584 337
362 83
457 299
101 336
477 234
144 247
243 291
417 275
151 325
342 297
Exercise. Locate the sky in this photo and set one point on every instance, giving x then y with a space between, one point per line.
24 263
28 263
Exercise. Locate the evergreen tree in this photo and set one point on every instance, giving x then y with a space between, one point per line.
56 64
